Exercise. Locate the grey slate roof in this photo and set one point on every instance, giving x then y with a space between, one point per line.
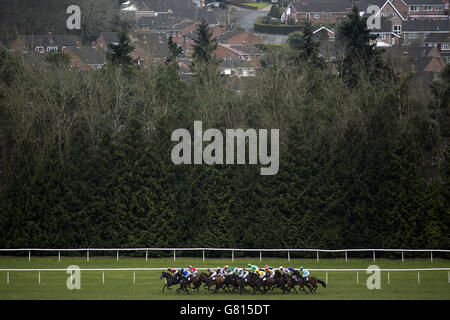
235 63
438 37
322 5
110 37
66 40
89 55
426 26
415 51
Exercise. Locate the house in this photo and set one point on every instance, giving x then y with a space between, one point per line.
149 47
239 37
106 39
316 11
86 58
324 34
428 67
190 9
417 52
416 31
158 24
422 9
385 33
248 53
45 42
236 67
440 41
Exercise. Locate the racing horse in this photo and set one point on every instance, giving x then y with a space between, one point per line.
312 283
218 282
170 280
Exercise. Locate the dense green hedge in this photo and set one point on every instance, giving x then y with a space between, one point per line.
275 29
89 162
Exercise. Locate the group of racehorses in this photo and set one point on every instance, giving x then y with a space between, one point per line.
232 283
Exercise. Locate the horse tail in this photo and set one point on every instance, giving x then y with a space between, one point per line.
322 283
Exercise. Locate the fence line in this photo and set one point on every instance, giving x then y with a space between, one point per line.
163 269
224 249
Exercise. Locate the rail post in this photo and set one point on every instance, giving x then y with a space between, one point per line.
204 254
232 255
87 255
59 255
146 255
117 255
373 255
403 258
29 255
103 277
357 277
260 255
174 257
431 257
289 256
317 256
345 256
134 277
418 277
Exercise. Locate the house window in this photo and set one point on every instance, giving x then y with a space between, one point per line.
393 15
438 8
398 28
413 8
308 16
428 8
445 46
384 14
412 36
316 15
382 36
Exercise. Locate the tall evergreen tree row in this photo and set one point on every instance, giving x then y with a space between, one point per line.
89 157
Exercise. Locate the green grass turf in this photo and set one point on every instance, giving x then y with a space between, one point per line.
119 284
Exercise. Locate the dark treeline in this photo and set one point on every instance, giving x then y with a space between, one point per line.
88 159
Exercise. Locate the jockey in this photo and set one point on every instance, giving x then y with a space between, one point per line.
185 272
305 274
261 274
244 274
253 267
292 270
193 270
229 270
220 271
172 271
212 274
270 272
283 269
